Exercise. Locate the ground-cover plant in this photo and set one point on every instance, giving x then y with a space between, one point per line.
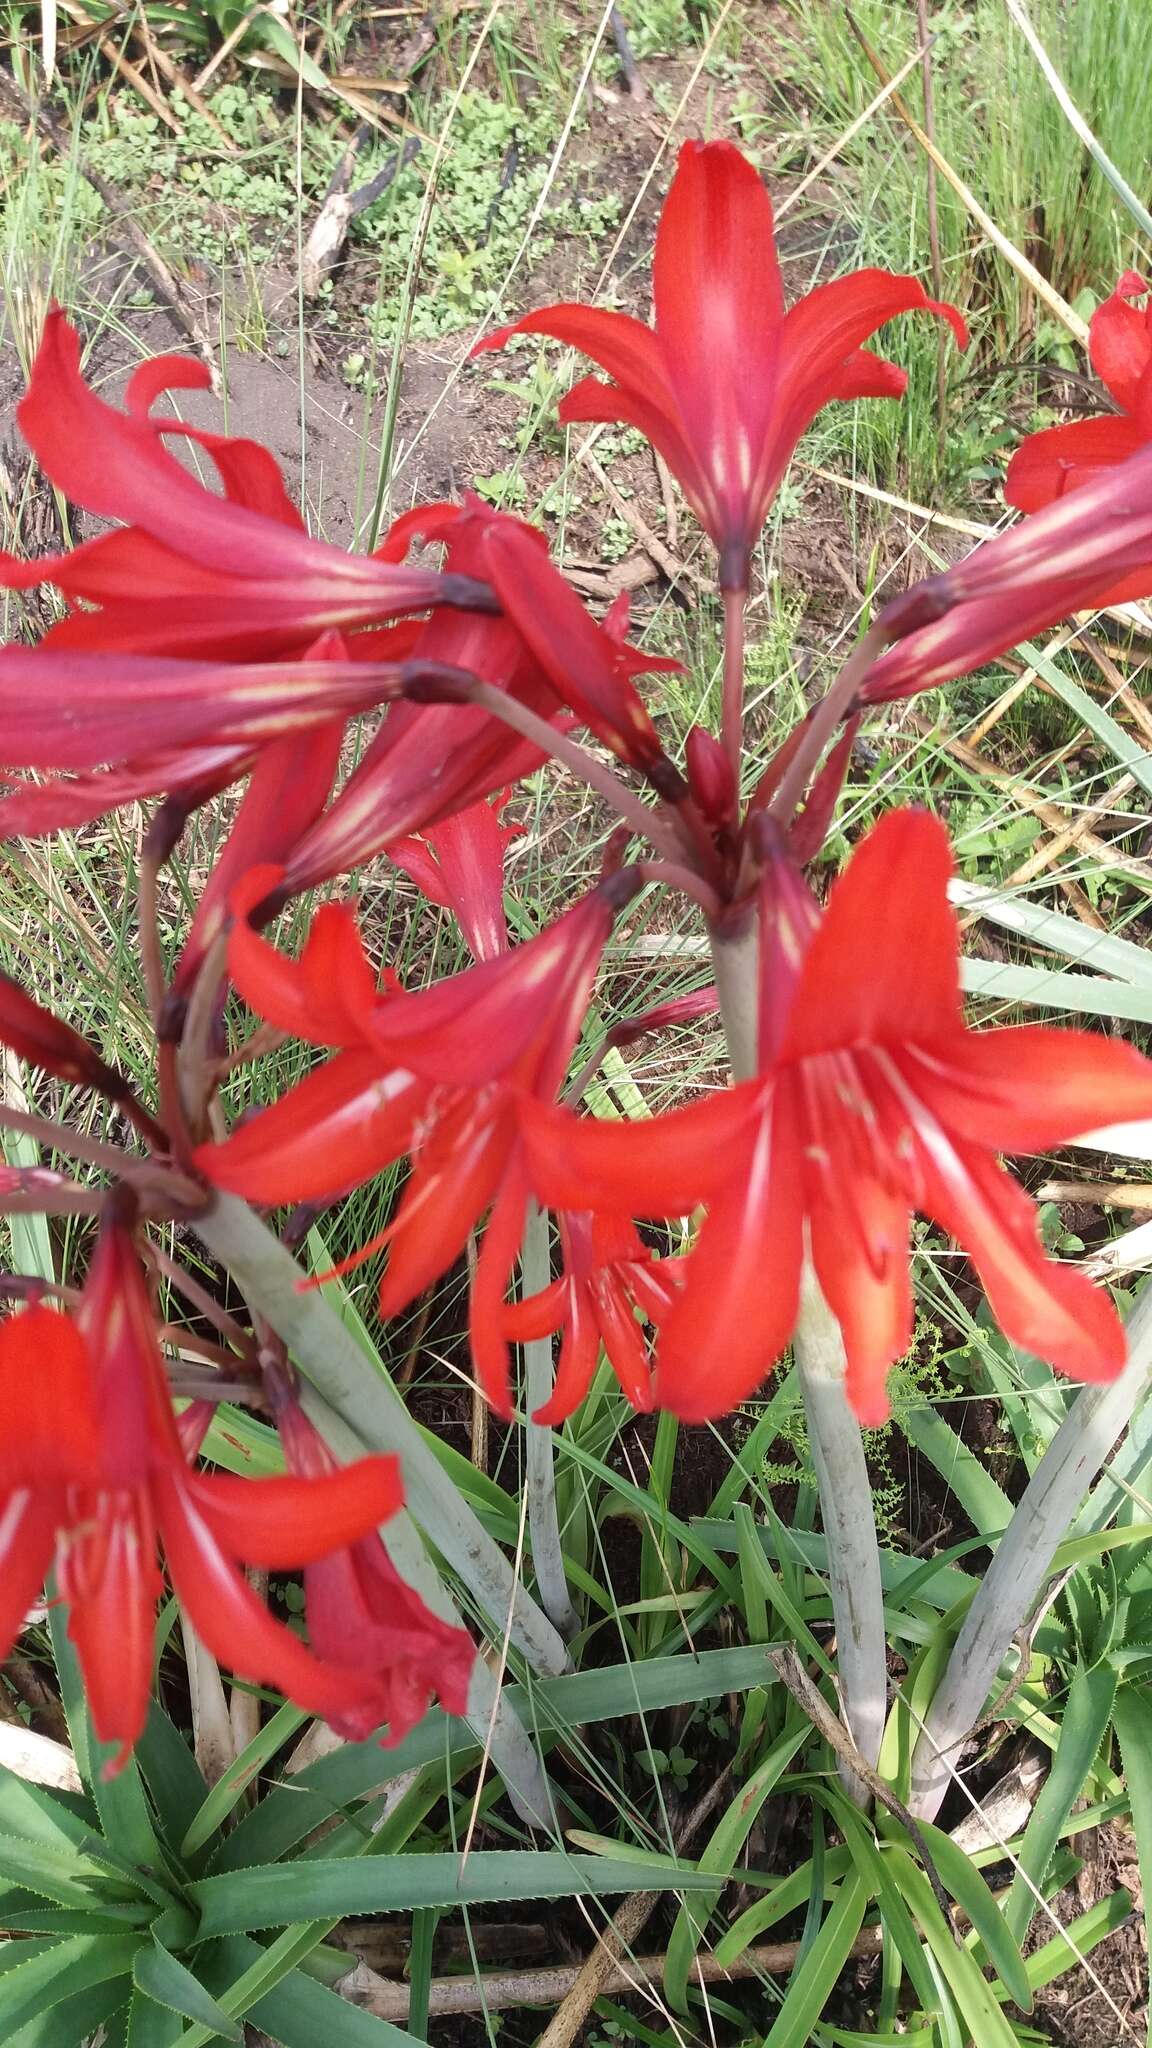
210 641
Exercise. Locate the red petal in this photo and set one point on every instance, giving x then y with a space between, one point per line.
237 1627
111 1580
328 996
288 789
454 1180
592 402
859 1232
1027 1087
741 1290
336 1128
576 654
864 375
623 347
50 1431
1047 1309
249 473
824 330
28 1524
883 966
486 1310
1120 342
576 1365
470 872
659 1166
281 1523
1062 459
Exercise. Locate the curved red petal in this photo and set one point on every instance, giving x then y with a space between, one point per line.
659 1166
883 966
1062 459
859 1236
486 1309
1026 1087
50 1431
1120 341
28 1524
336 1128
576 1365
623 347
280 1523
742 1283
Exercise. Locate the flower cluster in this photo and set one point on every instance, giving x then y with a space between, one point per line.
209 640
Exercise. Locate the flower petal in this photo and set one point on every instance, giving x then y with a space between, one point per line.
111 1580
623 347
1026 1087
659 1166
742 1282
887 910
859 1231
50 1432
1061 459
1120 341
278 1523
28 1523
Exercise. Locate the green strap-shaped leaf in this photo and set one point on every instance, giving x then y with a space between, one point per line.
985 1503
963 1882
275 1894
296 2013
65 1875
810 1986
719 1855
1133 1717
958 1967
162 1977
1087 1712
33 1814
551 1704
59 1970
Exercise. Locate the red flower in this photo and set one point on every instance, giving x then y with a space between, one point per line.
362 1614
873 1101
92 1472
728 382
443 1073
1089 548
232 578
459 863
429 761
1062 459
608 1275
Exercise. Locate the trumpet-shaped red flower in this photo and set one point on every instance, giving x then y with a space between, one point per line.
429 761
873 1101
727 383
1062 459
609 1275
443 1074
190 573
1089 548
92 1472
362 1614
459 863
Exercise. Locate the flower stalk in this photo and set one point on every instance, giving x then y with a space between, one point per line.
834 1433
539 1454
1023 1562
273 1283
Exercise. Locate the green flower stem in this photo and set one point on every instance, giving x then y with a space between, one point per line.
270 1279
833 1431
543 1521
1023 1562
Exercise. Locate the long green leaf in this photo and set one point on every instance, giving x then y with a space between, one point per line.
64 1875
274 1894
297 2012
957 1965
719 1854
58 1971
168 1982
547 1705
1133 1717
1087 1712
963 1882
812 1983
985 1503
36 1816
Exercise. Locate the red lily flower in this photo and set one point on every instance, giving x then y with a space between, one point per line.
429 761
873 1101
92 1470
1062 459
442 1073
727 383
361 1613
1092 547
608 1274
232 578
459 863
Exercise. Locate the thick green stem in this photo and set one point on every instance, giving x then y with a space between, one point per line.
492 1720
543 1521
833 1431
334 1362
1023 1562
